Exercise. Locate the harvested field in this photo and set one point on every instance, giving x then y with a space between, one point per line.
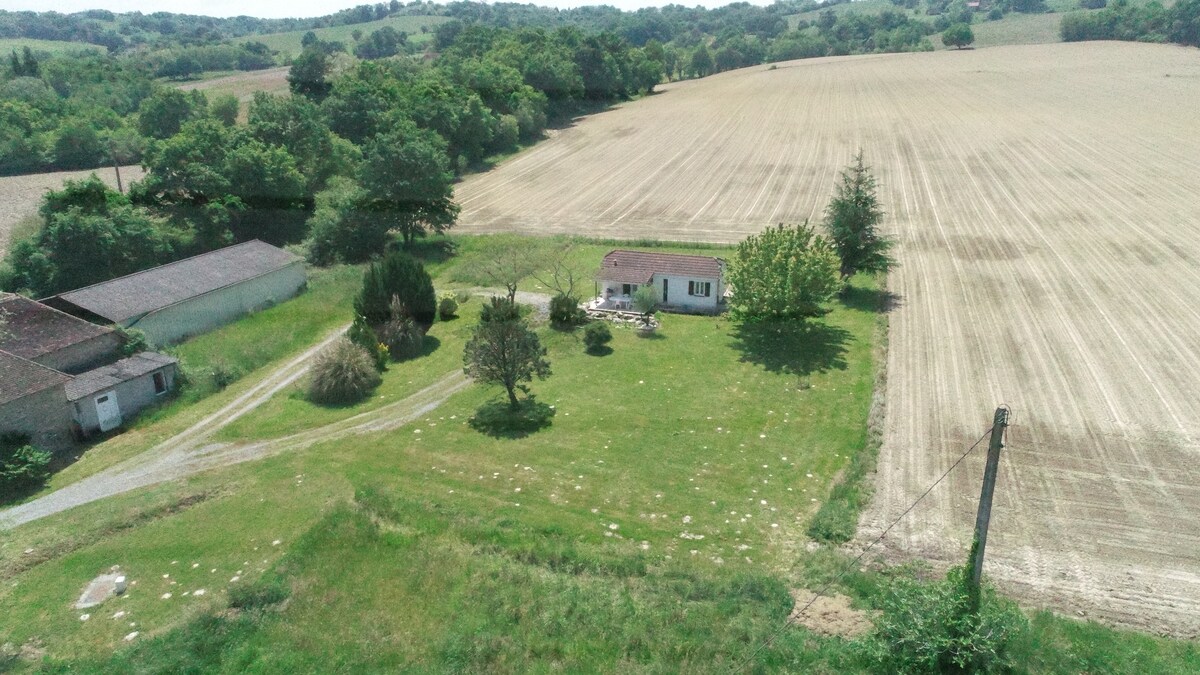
1047 204
21 195
243 85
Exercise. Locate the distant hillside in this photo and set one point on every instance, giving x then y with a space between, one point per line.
289 43
55 47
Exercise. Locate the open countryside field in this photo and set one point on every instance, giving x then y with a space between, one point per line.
243 85
1047 205
289 43
20 196
56 47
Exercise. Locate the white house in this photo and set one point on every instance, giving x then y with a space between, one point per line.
683 283
191 296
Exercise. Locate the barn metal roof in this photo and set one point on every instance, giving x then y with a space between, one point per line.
32 329
139 294
110 376
639 267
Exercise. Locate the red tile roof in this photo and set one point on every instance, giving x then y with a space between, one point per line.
639 267
32 329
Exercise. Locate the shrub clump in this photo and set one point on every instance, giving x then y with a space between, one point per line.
397 276
22 467
565 312
932 627
403 337
447 307
342 373
596 335
364 336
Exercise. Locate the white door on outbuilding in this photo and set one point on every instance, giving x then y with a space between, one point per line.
108 411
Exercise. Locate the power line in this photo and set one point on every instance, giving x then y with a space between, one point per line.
852 563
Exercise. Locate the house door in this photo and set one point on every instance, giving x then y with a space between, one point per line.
664 291
108 411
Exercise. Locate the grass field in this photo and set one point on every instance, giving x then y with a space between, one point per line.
1045 199
1016 29
55 47
457 495
243 85
656 524
289 43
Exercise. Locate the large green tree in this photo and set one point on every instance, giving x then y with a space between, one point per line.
338 231
309 75
853 218
407 183
783 273
79 248
298 125
958 35
165 112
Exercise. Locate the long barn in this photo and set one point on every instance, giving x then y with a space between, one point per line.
191 296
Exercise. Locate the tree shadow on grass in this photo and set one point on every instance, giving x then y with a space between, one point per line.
792 347
869 299
498 419
433 250
602 350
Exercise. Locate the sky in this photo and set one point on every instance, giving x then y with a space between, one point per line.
289 8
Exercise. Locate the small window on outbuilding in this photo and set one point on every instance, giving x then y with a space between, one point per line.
701 289
160 383
628 289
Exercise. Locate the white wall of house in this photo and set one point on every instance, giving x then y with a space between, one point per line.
678 297
132 396
209 311
677 292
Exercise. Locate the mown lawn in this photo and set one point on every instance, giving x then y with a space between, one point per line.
656 525
654 476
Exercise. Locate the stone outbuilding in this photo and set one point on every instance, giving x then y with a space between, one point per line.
191 296
54 339
101 399
63 378
33 403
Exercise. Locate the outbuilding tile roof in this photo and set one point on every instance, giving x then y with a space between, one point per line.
21 377
139 294
31 329
639 267
110 376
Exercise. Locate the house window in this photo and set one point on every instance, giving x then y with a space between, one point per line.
701 289
628 289
160 383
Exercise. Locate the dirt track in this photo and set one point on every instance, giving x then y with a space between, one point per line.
1047 204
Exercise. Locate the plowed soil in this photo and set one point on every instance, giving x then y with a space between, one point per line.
1046 200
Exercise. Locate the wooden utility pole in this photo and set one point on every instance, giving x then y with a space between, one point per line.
999 424
112 152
